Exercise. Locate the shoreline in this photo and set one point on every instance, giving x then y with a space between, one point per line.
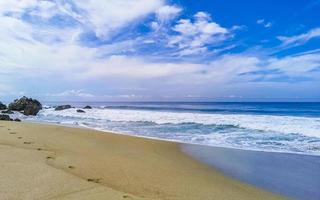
166 140
209 160
118 166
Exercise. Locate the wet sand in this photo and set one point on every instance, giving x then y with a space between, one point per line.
55 162
294 175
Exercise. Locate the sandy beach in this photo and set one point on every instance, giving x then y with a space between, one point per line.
55 162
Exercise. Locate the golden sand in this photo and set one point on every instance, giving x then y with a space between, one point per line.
54 162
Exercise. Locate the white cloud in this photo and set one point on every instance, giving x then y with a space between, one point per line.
30 57
296 65
20 52
107 17
34 50
102 17
45 9
164 15
167 12
300 39
264 23
244 68
135 67
193 36
16 5
51 52
71 93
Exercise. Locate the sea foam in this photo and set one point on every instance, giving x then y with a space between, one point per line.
246 131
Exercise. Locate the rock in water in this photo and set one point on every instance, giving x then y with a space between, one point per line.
31 109
2 106
27 105
7 112
62 107
80 111
87 107
5 118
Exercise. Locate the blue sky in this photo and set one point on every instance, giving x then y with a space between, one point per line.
157 50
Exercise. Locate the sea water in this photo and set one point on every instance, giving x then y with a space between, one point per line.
280 127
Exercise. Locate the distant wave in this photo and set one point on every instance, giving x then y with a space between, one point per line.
227 110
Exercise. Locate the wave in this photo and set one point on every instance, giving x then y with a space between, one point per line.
279 109
259 132
284 124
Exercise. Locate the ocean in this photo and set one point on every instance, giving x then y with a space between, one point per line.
271 127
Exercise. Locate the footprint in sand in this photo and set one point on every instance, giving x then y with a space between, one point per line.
27 142
49 157
126 196
71 167
95 180
12 133
19 137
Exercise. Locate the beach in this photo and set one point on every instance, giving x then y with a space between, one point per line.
159 100
54 162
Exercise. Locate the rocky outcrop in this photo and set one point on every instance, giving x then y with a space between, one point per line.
87 107
5 118
8 118
80 111
62 107
26 105
2 106
7 112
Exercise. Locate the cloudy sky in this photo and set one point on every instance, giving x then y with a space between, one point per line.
158 50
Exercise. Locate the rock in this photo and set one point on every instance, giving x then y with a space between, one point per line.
31 109
5 118
2 106
28 106
62 107
17 120
7 112
80 111
87 107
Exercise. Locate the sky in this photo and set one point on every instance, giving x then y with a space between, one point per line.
160 50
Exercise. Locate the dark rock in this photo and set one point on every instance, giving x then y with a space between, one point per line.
62 107
87 107
31 109
28 106
80 111
17 120
2 106
7 112
5 118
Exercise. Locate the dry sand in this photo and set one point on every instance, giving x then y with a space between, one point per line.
55 162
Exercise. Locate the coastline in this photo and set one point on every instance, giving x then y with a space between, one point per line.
168 140
78 163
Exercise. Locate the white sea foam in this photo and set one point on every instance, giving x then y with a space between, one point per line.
243 131
306 126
